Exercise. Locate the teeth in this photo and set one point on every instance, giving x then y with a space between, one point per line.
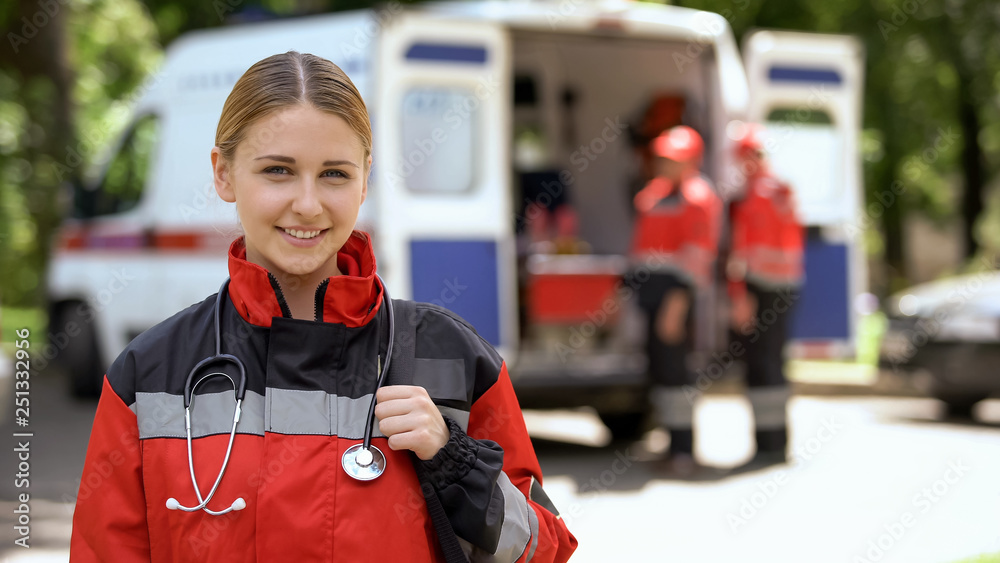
302 234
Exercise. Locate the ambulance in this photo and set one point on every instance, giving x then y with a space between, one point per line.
508 147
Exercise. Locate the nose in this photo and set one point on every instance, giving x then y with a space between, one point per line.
307 203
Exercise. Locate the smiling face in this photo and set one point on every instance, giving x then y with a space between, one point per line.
670 169
298 180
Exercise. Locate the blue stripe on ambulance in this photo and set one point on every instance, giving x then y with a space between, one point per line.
783 73
461 276
823 309
446 53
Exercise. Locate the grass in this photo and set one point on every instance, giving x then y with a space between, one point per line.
13 319
984 558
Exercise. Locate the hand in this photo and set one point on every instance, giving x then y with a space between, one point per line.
411 420
743 311
672 317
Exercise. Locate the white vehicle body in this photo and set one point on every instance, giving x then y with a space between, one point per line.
438 81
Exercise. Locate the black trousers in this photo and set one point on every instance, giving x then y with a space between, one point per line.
668 369
764 344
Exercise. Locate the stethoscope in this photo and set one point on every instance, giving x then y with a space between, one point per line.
363 461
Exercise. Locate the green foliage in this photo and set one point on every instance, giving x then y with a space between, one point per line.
14 319
111 49
115 49
23 108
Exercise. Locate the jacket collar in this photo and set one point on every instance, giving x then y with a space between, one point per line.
352 298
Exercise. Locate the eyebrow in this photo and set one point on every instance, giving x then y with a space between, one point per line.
291 160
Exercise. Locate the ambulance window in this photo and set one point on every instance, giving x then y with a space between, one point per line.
439 133
799 115
806 149
126 175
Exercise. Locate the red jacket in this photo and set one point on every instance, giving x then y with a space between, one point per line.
767 245
308 389
677 230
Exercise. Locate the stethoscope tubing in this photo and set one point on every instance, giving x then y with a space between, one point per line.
370 421
239 390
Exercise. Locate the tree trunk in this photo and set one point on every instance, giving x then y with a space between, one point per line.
972 168
38 54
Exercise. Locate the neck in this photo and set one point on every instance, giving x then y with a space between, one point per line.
299 291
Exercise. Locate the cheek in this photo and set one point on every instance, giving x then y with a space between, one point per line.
346 202
259 206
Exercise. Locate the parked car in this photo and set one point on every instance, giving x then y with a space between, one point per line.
946 336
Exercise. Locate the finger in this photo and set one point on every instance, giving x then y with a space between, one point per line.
393 425
391 392
395 407
410 422
412 440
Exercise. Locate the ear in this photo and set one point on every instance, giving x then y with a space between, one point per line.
221 172
364 185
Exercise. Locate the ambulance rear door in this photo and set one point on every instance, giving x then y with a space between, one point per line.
445 223
807 90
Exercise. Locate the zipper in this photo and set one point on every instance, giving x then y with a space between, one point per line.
320 297
285 311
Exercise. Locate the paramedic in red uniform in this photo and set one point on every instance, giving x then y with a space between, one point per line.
305 313
765 271
674 246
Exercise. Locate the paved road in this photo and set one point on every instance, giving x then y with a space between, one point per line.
873 479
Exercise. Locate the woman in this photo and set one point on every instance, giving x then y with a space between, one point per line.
304 311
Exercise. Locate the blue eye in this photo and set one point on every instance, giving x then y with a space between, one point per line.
275 170
338 173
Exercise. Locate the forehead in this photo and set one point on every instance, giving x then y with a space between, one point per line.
304 131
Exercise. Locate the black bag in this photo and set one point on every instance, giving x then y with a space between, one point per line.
401 373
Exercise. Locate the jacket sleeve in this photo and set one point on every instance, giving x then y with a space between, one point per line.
489 482
737 267
109 523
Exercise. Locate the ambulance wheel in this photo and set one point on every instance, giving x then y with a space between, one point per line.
626 426
960 405
74 339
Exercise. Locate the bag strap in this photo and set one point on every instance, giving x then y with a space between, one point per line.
404 359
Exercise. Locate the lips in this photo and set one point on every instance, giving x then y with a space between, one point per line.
300 234
302 238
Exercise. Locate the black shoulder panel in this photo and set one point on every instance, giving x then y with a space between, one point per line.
441 334
160 359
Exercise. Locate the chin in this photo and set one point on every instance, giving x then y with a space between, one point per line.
305 264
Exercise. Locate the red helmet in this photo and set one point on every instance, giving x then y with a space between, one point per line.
680 143
749 138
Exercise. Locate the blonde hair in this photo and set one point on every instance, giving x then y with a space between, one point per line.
289 79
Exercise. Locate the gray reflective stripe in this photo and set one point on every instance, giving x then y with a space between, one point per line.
161 415
472 552
443 379
460 416
674 407
533 522
774 282
516 531
519 526
769 406
291 411
284 411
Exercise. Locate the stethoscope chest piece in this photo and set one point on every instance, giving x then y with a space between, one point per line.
363 464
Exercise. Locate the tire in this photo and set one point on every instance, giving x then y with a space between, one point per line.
960 405
626 426
78 357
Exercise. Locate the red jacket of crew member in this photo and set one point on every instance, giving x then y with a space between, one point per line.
767 235
677 227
